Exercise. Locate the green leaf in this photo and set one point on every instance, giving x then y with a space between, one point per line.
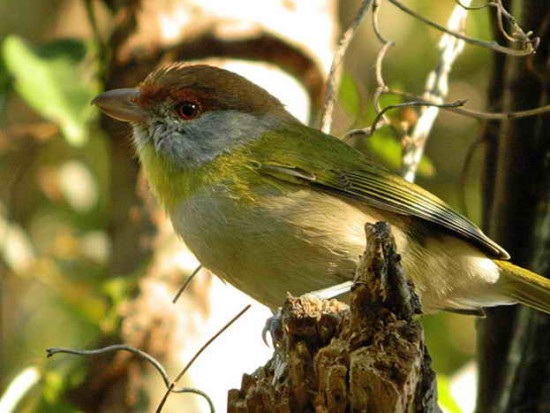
51 79
386 148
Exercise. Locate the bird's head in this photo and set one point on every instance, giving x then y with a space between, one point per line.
190 114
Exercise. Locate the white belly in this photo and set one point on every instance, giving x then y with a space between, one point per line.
308 240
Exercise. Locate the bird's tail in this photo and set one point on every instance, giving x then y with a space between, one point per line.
524 286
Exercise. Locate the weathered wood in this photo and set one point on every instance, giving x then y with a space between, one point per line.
368 357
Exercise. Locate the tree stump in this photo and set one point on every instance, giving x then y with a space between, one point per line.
366 357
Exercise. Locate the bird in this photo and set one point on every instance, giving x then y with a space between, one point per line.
274 207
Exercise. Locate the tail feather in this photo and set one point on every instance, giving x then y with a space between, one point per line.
524 286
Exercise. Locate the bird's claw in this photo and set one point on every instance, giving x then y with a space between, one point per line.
273 326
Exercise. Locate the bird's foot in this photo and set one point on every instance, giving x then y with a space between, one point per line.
274 329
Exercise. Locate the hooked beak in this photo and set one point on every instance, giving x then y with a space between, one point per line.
121 104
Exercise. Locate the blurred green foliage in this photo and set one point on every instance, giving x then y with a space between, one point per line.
445 398
53 215
47 77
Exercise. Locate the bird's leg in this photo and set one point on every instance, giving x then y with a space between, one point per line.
273 327
334 291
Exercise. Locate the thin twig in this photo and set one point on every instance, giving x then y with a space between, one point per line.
379 77
529 45
482 6
386 45
146 356
503 115
450 46
186 283
376 24
190 363
333 78
519 34
378 120
502 13
471 113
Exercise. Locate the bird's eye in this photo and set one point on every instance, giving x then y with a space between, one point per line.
187 110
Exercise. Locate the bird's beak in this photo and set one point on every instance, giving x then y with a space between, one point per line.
121 104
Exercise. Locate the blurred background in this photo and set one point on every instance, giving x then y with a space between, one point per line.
86 257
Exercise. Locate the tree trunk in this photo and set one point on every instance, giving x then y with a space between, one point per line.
514 341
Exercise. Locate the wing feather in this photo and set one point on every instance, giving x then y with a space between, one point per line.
332 165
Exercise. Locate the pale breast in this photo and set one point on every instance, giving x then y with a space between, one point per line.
298 242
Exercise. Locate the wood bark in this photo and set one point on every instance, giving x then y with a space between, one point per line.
368 357
514 341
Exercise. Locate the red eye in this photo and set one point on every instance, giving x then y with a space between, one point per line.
187 110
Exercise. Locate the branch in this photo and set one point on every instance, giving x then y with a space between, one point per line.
529 45
197 354
142 354
471 113
378 121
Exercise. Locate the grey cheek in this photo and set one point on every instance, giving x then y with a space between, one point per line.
187 144
195 142
165 136
178 143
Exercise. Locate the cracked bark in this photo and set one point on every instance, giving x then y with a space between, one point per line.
369 356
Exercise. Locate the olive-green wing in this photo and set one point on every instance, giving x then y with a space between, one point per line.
326 163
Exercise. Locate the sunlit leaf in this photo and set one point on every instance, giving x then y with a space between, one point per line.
445 398
18 388
50 78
